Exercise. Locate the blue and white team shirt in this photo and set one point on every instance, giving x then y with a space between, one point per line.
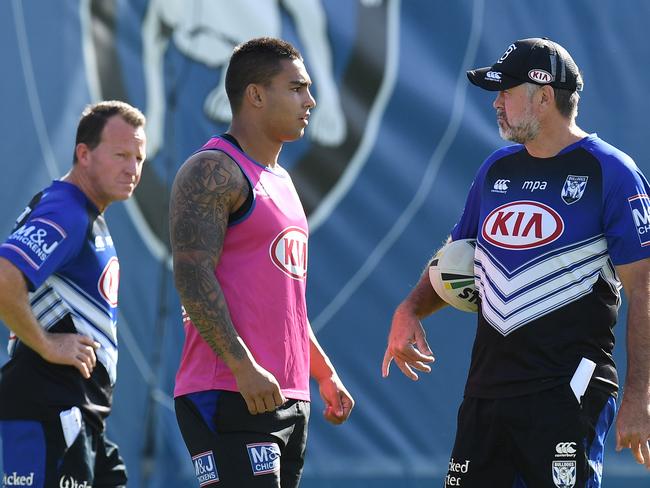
549 235
63 247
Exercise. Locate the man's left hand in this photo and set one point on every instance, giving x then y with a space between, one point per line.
338 401
633 428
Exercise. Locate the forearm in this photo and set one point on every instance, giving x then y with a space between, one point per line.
15 310
636 283
422 301
320 366
21 321
637 380
203 299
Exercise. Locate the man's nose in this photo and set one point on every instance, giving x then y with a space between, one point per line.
498 101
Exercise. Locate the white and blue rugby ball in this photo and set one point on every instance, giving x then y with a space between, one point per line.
452 275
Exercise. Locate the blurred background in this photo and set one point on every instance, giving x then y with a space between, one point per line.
383 172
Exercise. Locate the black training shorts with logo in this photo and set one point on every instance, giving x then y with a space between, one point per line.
542 440
231 448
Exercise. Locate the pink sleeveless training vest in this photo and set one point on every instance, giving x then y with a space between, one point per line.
262 272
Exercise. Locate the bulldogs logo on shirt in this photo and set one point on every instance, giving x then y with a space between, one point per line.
574 188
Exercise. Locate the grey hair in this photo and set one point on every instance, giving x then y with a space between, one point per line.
566 101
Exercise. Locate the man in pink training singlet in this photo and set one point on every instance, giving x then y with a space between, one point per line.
240 244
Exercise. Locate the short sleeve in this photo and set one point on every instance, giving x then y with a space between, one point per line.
45 242
626 210
467 225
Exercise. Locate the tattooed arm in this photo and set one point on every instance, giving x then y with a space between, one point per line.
207 189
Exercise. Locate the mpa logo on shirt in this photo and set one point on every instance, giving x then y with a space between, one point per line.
522 225
36 240
289 252
264 457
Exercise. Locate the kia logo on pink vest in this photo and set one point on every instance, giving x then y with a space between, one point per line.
289 252
522 225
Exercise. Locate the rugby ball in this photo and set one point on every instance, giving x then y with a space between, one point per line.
452 275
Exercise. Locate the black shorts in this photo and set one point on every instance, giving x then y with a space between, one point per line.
542 440
233 448
35 454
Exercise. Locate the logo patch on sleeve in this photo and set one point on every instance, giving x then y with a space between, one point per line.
640 207
264 457
36 240
205 468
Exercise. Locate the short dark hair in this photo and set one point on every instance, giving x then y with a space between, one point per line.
94 118
255 61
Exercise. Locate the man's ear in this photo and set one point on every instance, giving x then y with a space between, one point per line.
547 96
82 151
254 95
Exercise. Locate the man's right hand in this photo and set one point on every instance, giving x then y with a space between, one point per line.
70 349
407 345
15 311
259 388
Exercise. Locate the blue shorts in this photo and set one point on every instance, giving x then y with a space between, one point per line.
34 453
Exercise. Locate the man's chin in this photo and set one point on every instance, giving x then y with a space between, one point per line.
124 196
294 137
506 135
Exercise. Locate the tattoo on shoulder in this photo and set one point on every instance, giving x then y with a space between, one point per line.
203 195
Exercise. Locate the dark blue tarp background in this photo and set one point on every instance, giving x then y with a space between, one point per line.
416 134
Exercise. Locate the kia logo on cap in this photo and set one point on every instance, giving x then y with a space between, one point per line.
522 225
540 76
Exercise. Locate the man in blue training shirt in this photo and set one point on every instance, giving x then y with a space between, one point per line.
561 221
59 277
